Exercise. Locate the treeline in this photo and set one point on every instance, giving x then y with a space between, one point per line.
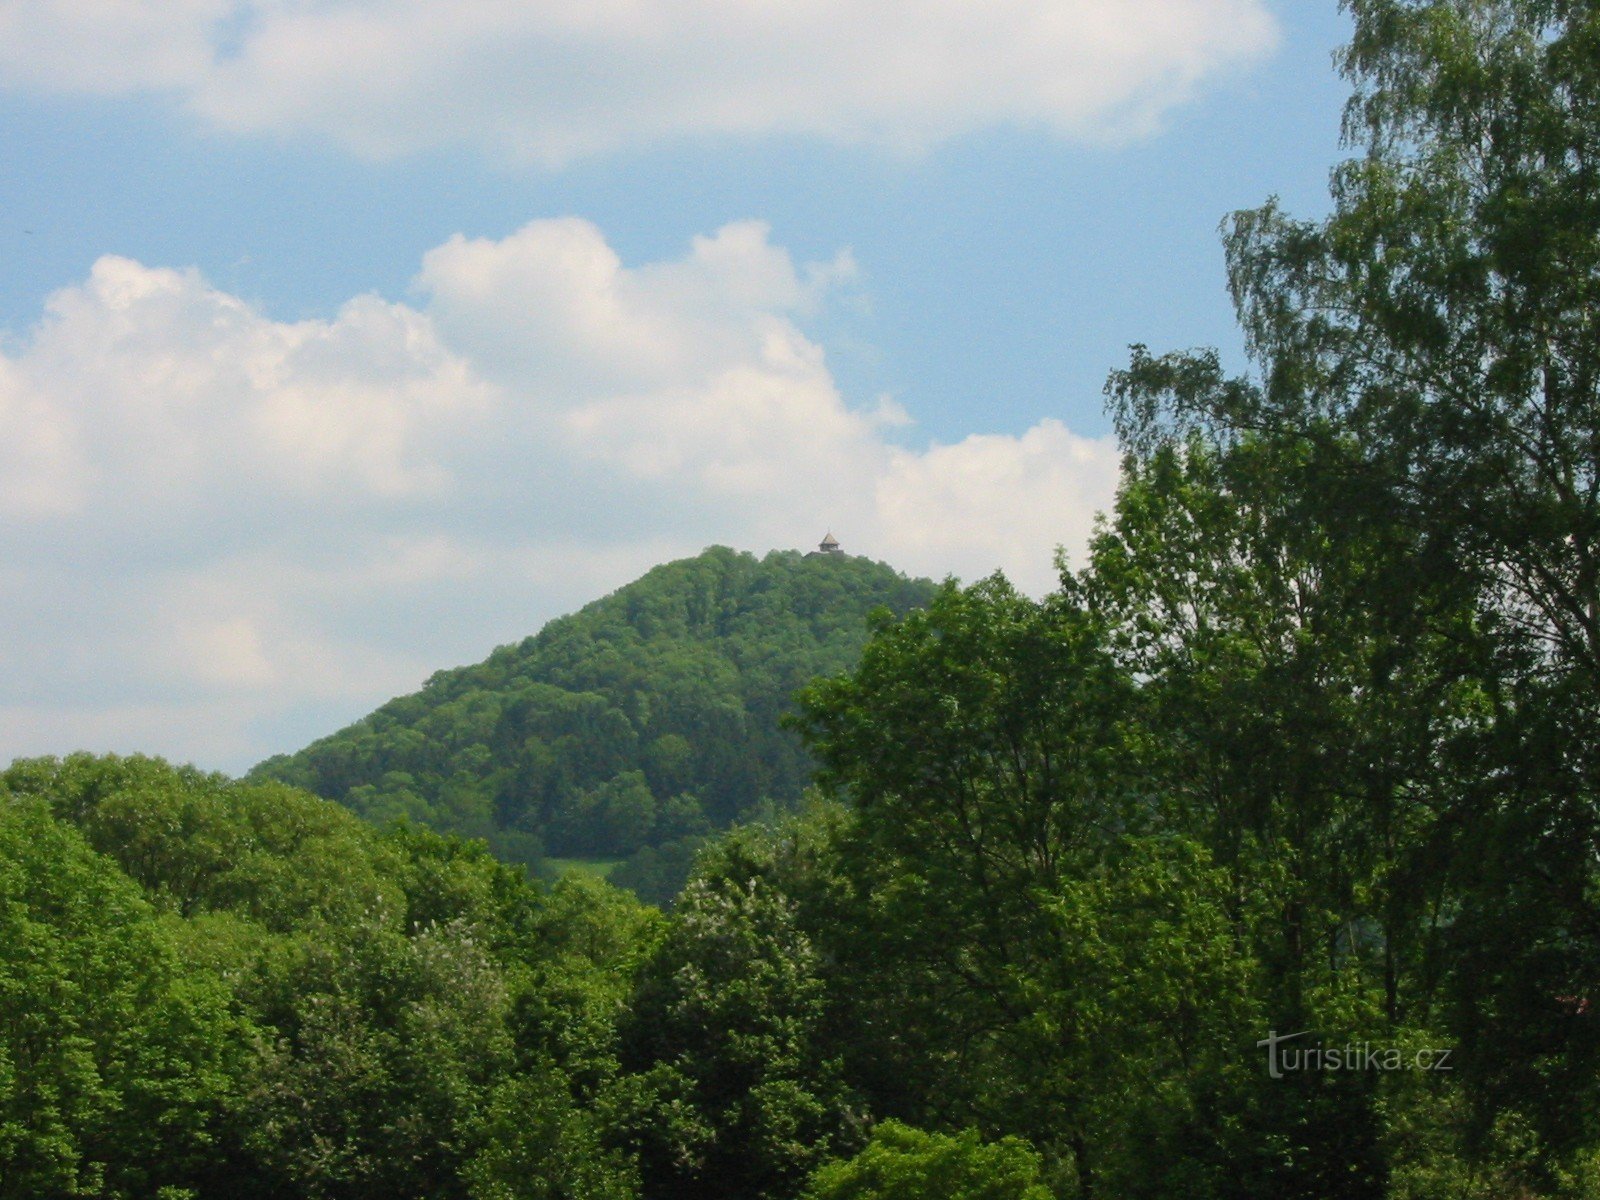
643 723
1196 873
1259 860
211 988
217 989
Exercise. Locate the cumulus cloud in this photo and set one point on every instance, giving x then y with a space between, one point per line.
564 78
100 48
183 394
261 529
985 501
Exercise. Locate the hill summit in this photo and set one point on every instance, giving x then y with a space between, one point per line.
631 728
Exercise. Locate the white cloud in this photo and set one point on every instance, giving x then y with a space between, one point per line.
168 392
104 47
39 471
563 78
983 502
552 306
263 528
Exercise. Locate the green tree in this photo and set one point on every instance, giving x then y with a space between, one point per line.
387 1046
540 1144
117 1065
580 739
730 1091
196 841
269 999
902 1163
1437 331
1028 948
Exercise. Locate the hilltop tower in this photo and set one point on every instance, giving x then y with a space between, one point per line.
829 545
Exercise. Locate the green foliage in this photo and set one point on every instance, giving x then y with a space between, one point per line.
1322 705
902 1163
1309 745
731 1093
656 874
539 1144
198 842
1428 349
253 993
642 722
114 1063
1074 973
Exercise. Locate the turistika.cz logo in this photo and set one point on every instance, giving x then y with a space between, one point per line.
1356 1056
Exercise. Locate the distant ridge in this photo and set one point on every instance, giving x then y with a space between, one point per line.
629 729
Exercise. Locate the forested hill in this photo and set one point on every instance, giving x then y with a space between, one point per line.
643 721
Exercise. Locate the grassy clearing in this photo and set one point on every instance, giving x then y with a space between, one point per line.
598 867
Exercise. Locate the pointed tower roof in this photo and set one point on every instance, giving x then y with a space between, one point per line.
828 543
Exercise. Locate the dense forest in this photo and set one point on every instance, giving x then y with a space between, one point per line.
628 731
1259 860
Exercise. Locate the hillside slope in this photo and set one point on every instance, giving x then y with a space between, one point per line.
645 720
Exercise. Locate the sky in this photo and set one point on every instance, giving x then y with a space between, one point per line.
343 341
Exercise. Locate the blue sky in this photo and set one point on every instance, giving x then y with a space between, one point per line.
329 362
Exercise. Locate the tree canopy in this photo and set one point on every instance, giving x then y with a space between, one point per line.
642 723
1260 859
